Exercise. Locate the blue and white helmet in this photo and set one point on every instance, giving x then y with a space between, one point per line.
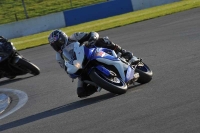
57 39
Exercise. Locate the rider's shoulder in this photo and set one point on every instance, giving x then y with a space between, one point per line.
78 35
75 43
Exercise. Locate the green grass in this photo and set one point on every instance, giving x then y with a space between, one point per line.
111 22
13 10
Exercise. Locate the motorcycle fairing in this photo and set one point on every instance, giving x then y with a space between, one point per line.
3 56
129 73
94 53
5 50
103 70
88 52
74 65
121 67
101 55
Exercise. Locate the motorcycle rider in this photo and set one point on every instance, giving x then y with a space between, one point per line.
5 47
4 42
59 40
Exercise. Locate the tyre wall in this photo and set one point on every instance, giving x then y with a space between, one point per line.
142 4
98 11
76 16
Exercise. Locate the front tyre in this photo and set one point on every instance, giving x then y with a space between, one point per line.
112 84
28 66
145 73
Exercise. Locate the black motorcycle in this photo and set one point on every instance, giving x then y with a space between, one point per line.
13 64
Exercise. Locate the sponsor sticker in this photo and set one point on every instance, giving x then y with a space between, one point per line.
101 53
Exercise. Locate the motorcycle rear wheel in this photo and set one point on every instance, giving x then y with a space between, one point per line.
30 67
113 84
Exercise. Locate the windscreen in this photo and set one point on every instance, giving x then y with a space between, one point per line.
68 52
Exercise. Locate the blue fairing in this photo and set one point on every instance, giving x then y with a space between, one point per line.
103 70
94 53
88 52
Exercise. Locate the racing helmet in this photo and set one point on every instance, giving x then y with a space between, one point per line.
57 39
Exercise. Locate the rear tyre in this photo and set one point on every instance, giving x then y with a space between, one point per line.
112 84
28 66
145 73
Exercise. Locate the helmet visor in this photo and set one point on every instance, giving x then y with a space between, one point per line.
56 46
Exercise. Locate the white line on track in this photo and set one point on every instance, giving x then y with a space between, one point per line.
4 102
22 96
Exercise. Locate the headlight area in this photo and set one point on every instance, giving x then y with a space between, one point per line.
77 64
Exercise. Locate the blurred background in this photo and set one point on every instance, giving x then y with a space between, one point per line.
15 10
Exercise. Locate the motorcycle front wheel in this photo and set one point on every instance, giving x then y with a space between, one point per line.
28 66
112 84
145 73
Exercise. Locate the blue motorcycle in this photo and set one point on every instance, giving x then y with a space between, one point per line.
103 68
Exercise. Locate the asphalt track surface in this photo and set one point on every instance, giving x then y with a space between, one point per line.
170 103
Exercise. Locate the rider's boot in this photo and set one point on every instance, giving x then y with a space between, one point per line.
133 60
106 43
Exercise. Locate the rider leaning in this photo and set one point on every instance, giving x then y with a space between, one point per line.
5 47
59 40
4 41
